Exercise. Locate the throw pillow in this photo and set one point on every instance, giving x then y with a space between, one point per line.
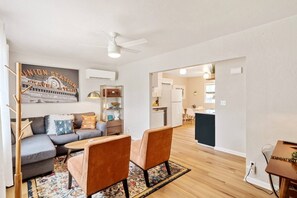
88 122
78 118
50 122
27 132
64 127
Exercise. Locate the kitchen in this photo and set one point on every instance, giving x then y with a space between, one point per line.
214 92
178 94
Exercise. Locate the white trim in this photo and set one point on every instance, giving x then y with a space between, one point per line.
260 183
230 151
204 145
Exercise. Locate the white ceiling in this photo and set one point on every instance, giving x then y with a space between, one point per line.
72 28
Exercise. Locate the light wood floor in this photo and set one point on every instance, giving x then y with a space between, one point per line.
213 173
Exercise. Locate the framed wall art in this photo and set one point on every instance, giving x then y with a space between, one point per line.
49 84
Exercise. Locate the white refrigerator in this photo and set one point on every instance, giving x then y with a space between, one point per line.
172 99
176 107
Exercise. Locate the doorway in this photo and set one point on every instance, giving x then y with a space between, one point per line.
222 95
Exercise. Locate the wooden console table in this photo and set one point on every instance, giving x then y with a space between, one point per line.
286 171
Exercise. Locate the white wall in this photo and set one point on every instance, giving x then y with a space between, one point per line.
271 110
198 84
85 85
6 177
230 119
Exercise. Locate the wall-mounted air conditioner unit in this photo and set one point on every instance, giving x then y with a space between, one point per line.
95 73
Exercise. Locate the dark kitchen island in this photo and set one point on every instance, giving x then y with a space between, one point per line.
205 127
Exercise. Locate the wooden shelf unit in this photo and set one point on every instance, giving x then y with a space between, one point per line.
111 94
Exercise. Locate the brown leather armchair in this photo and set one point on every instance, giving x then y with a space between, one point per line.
103 163
152 150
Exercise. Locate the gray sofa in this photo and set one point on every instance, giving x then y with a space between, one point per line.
38 151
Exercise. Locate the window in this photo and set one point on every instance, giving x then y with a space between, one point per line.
209 92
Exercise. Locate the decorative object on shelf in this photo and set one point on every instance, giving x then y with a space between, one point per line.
49 84
94 95
110 117
156 102
111 92
116 115
115 105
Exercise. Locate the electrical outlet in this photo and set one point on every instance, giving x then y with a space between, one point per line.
253 167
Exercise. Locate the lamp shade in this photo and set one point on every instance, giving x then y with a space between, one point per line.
114 51
94 95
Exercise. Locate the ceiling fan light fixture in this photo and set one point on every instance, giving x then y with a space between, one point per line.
206 75
114 51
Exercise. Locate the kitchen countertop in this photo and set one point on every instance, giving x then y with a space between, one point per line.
159 107
206 111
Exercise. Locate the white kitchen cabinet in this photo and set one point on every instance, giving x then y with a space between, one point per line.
157 119
157 92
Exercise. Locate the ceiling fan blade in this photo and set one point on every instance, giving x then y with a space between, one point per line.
129 50
133 43
97 46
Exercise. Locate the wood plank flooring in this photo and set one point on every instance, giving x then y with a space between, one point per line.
213 173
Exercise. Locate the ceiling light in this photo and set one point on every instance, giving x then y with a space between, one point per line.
206 75
182 71
114 51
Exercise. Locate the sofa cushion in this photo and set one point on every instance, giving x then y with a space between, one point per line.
78 118
50 126
87 133
27 132
35 148
38 125
64 126
63 139
88 122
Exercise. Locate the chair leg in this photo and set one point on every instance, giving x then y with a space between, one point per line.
146 178
167 168
126 189
69 180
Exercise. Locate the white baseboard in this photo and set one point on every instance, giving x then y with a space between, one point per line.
260 183
205 145
230 151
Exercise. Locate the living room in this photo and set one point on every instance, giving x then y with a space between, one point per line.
69 35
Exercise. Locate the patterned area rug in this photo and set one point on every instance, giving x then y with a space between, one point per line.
55 184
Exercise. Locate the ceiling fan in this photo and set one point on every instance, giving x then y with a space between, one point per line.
114 49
